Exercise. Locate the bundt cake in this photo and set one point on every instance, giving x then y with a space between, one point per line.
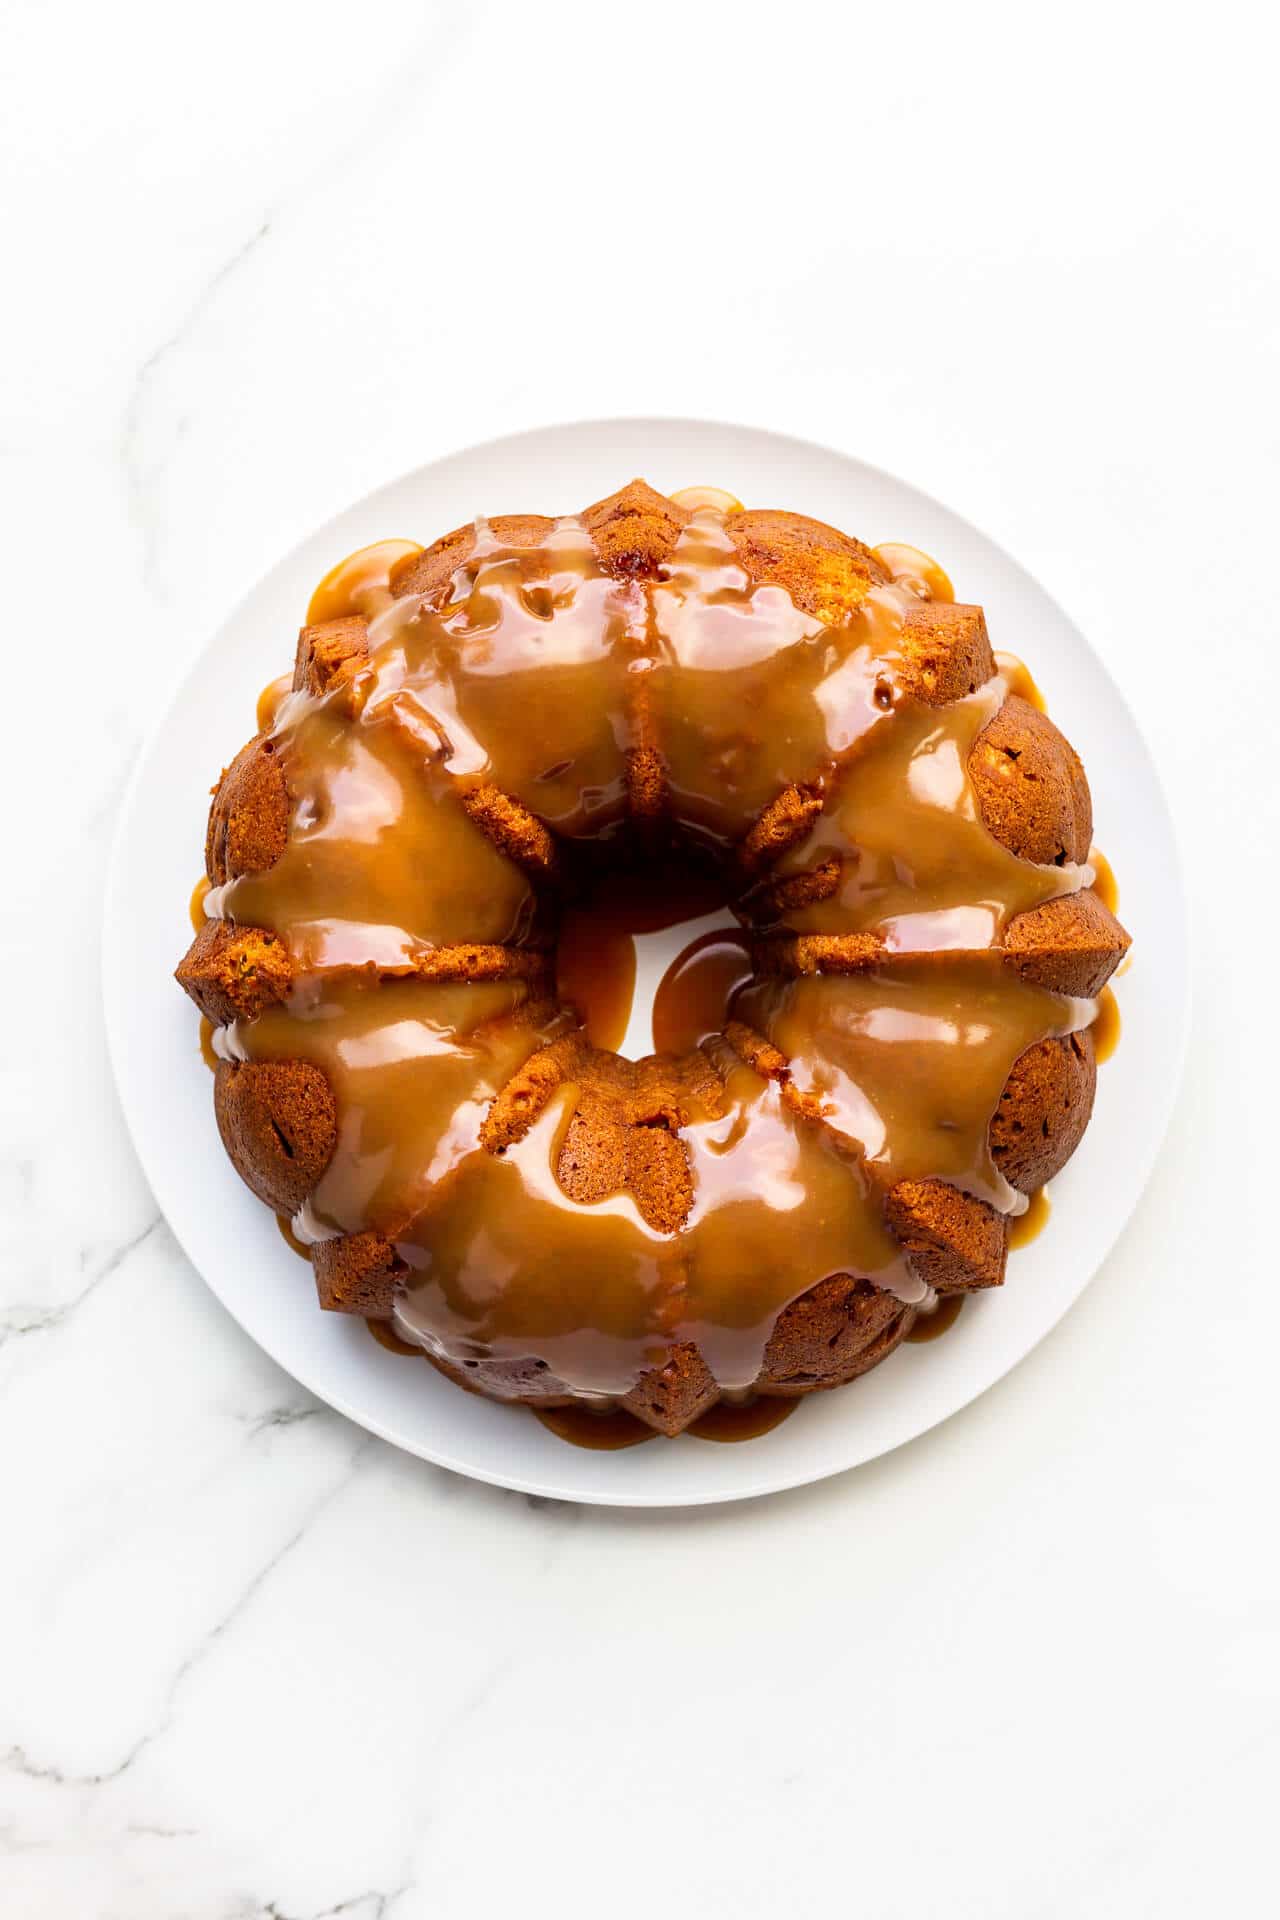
473 732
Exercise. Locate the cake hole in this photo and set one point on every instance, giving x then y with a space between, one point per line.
621 933
280 1135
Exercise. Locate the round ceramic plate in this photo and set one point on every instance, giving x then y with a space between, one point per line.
233 1241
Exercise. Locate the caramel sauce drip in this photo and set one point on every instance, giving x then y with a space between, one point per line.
931 1326
909 1065
290 1238
270 701
1017 678
909 567
386 1336
199 894
413 1067
736 1420
360 584
916 866
596 955
596 950
596 974
1106 1028
207 1053
730 1421
725 649
692 499
1031 1224
610 1430
508 1264
352 887
1104 880
691 1001
536 676
521 677
597 1432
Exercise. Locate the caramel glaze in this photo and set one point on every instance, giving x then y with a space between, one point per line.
360 584
691 1001
911 568
199 894
1104 880
520 678
1030 1225
1017 677
729 1421
734 1420
605 1432
596 973
609 1431
598 1292
290 1238
413 1065
351 887
909 1065
1106 1030
386 1336
207 1053
913 863
816 688
931 1326
270 701
694 498
596 952
535 675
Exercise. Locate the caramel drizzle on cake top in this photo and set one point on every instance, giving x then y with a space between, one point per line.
437 784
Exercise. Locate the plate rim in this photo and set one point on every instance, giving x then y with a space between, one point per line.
758 1486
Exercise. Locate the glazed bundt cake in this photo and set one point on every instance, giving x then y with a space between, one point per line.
471 735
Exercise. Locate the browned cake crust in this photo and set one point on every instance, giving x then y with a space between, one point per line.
838 1330
329 653
1031 786
278 1124
278 1119
249 818
1044 1110
233 973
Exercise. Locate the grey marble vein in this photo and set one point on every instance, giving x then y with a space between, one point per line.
276 1417
17 1759
20 1319
372 1905
136 473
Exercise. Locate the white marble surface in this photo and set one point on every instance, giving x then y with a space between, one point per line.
256 1666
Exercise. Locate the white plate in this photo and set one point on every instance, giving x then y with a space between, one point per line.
233 1241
